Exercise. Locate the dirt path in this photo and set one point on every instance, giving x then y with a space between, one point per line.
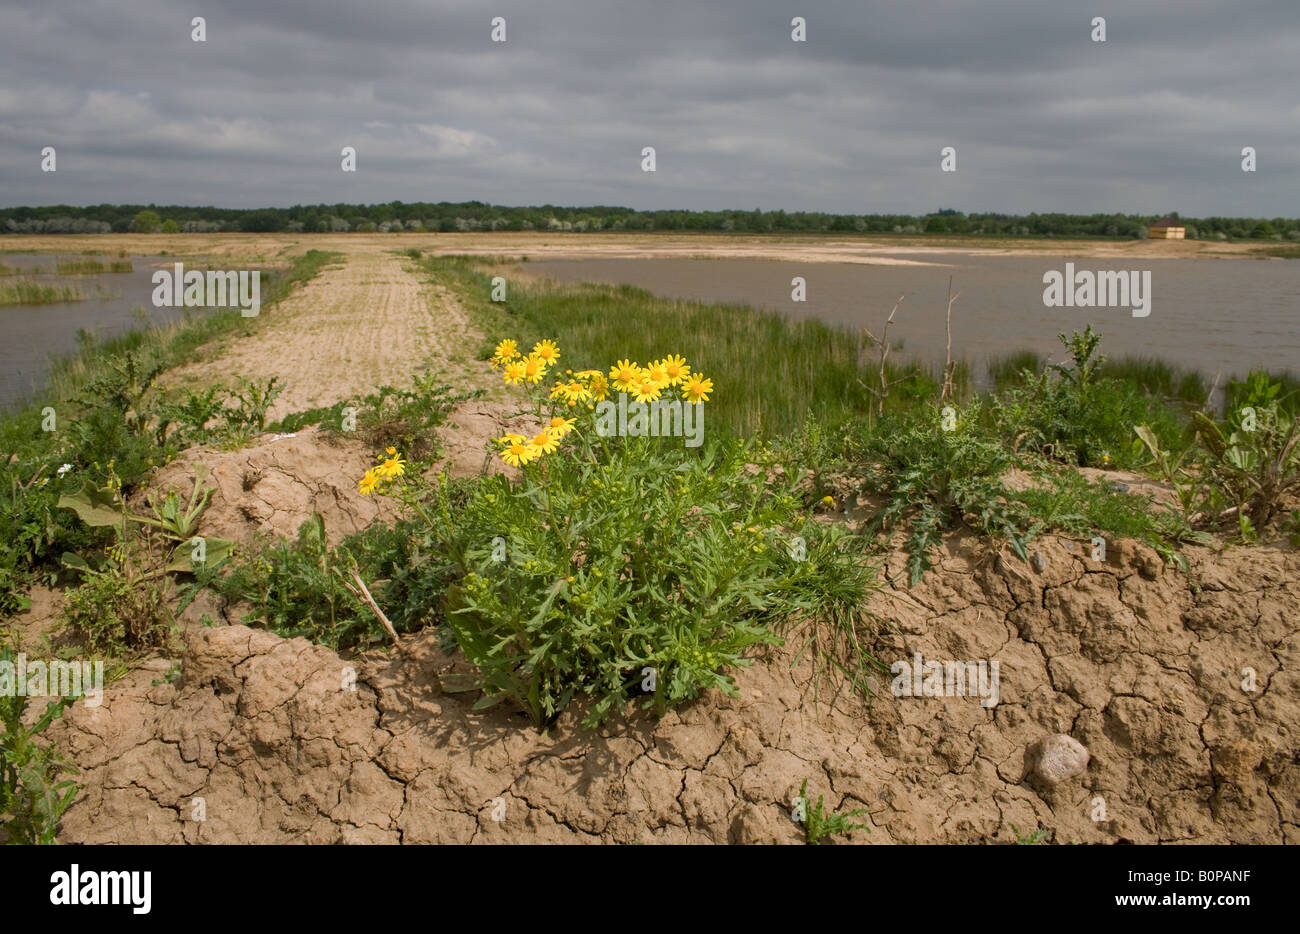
365 323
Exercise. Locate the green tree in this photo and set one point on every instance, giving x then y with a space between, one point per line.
146 222
170 226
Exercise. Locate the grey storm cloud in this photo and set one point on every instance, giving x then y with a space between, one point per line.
852 120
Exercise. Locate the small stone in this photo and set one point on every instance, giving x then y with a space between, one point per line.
1039 562
1060 758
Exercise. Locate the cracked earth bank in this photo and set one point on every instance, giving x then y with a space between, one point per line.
1140 663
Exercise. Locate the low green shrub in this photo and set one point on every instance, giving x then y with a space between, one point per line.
936 470
638 561
32 798
389 416
121 607
1075 415
1067 501
305 587
617 567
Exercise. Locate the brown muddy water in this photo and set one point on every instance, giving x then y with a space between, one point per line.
115 303
1211 315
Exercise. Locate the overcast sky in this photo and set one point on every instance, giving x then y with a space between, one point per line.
852 120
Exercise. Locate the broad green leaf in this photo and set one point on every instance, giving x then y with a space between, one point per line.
93 507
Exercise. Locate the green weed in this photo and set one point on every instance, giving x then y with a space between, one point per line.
32 798
936 470
818 825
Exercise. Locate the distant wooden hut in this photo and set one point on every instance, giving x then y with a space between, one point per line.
1167 228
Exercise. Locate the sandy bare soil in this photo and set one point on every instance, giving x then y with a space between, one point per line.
363 324
550 245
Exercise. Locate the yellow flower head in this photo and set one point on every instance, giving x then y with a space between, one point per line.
696 388
828 501
506 351
676 369
657 373
519 453
392 467
515 372
546 351
511 439
544 442
559 426
599 387
625 375
534 368
645 389
575 392
369 483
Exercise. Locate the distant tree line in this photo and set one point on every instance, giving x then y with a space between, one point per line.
445 217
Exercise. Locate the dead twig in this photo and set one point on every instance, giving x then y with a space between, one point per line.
882 344
364 594
948 390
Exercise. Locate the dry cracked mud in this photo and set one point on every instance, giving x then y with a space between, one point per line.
274 740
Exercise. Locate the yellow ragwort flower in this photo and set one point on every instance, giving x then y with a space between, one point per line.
544 442
518 453
645 389
534 368
547 351
506 351
511 438
624 375
599 387
515 372
676 369
575 392
657 373
559 426
369 483
392 467
696 388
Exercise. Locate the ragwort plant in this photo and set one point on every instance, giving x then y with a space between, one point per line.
617 568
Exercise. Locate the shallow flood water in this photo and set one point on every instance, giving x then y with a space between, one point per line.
33 333
1211 315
